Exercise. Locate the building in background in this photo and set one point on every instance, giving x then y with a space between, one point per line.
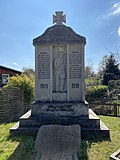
5 73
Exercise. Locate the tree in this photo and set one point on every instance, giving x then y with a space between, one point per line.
109 69
28 71
89 69
88 72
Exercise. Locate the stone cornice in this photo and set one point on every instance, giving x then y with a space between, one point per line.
59 34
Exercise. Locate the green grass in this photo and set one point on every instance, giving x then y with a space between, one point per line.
16 148
102 149
22 148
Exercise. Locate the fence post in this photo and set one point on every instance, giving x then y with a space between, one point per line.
22 100
118 96
115 110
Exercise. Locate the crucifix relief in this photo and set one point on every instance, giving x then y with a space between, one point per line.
59 18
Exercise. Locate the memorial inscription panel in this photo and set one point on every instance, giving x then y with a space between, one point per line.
43 65
75 65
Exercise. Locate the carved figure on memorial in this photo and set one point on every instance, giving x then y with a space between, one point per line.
59 71
62 80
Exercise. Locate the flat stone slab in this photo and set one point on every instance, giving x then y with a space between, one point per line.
58 142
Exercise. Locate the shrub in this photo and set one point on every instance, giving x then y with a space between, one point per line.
111 85
114 84
102 109
96 92
25 84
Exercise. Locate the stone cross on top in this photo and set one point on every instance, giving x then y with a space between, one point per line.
59 18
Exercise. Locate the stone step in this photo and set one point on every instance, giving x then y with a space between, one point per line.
63 121
28 120
85 131
29 125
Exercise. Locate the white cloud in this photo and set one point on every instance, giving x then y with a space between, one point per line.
16 64
111 12
118 31
117 11
116 7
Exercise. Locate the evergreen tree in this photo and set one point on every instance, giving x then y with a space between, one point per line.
110 69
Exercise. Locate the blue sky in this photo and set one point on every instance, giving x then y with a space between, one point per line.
21 21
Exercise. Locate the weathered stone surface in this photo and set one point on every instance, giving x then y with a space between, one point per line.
59 73
59 34
29 125
60 109
59 18
57 157
58 142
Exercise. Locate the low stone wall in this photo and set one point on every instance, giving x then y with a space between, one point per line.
12 104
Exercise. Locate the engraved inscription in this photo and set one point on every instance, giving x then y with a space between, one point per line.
43 66
68 108
75 65
75 85
43 85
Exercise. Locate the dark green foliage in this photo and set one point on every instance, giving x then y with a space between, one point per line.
114 84
111 85
110 70
96 92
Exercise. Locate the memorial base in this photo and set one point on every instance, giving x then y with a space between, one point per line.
56 109
62 114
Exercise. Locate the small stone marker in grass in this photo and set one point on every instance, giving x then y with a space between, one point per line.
58 142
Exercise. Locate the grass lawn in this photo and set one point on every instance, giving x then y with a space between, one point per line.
22 148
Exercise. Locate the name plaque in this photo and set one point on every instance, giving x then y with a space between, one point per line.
43 66
75 65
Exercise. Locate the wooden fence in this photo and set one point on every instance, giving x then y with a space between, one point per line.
12 104
110 107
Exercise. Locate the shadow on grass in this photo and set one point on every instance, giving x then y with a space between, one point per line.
25 149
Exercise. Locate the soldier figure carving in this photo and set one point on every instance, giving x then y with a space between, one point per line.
59 71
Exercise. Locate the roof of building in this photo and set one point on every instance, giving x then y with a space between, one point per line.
59 34
3 67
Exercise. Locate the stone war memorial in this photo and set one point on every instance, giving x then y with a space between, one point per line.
60 86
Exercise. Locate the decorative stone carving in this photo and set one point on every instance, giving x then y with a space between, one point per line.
59 73
59 69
